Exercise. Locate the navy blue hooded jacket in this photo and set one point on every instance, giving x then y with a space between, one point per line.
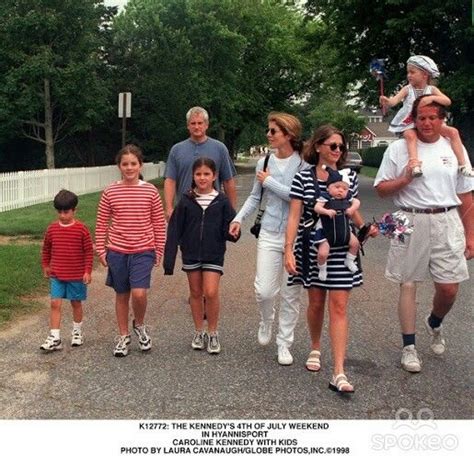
200 234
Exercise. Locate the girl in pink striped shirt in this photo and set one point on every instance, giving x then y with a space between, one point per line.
130 237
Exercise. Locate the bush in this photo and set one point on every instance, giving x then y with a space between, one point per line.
372 157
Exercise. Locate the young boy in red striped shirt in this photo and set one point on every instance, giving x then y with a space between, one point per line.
67 257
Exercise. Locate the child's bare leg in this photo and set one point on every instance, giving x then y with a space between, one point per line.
456 144
139 303
351 256
211 293
354 245
195 299
323 253
121 311
77 313
413 163
55 314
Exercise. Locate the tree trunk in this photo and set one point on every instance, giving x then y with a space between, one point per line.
48 125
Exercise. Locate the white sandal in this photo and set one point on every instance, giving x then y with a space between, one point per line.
340 384
313 363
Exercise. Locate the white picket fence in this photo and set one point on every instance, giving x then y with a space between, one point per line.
21 189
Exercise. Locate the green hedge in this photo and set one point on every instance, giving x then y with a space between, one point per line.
372 157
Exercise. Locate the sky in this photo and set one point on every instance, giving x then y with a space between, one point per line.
119 3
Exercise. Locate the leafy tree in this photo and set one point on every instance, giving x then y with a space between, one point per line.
332 109
359 30
239 59
50 63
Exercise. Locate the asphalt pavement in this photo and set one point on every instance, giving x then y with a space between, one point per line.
244 381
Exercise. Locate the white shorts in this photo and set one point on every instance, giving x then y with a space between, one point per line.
435 249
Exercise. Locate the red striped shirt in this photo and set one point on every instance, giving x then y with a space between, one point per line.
130 220
67 251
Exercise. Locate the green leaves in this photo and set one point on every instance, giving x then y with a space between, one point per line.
239 59
56 41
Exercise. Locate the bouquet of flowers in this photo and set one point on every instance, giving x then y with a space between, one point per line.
394 226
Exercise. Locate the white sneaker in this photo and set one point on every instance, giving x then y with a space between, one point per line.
410 360
144 340
121 348
199 340
51 344
438 343
264 333
284 356
213 344
77 338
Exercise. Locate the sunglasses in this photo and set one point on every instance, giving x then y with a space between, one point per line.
272 131
333 146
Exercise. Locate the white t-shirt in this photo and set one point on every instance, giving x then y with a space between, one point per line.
440 182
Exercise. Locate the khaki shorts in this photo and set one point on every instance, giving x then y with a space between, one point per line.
435 249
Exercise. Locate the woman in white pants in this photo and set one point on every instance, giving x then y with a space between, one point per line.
284 161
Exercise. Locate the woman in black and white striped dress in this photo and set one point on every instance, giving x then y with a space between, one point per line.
327 147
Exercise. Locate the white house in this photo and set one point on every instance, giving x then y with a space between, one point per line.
375 132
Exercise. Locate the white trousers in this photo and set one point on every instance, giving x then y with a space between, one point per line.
272 279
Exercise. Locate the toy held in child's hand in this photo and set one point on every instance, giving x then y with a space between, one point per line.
377 70
395 226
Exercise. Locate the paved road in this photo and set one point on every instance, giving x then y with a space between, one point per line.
245 380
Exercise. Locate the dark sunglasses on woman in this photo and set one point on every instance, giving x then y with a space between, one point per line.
333 146
272 131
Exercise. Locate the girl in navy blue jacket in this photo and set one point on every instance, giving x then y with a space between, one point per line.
199 225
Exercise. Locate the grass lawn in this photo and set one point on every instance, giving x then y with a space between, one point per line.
33 220
21 277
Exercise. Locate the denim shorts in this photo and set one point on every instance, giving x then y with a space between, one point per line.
74 291
127 271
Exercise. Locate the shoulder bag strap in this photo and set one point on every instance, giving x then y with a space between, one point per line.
260 210
265 165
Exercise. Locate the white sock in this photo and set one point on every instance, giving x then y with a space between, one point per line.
350 262
323 272
77 326
56 333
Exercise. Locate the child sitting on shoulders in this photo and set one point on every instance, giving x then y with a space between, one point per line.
420 71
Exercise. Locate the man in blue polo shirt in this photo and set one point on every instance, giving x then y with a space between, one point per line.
178 173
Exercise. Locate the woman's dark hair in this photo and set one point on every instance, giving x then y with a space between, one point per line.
129 149
65 200
203 162
416 104
321 134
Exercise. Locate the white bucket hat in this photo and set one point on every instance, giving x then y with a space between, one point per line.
424 63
